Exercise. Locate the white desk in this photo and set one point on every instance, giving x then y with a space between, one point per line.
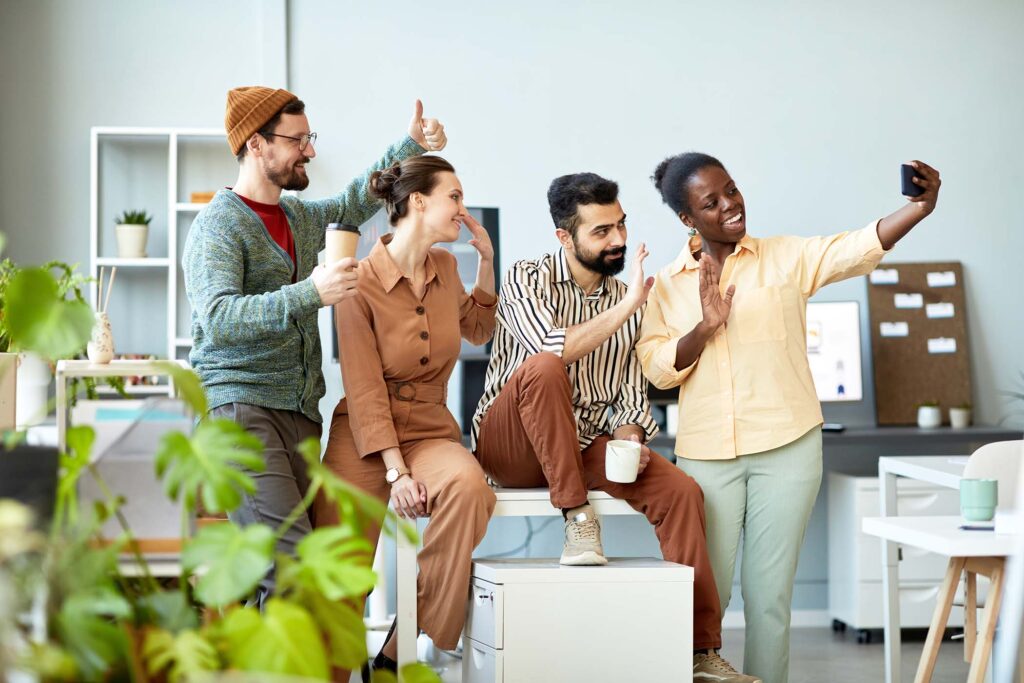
510 503
942 470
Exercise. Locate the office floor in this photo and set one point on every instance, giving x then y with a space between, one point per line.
817 654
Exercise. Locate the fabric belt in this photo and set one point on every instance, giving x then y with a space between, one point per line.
418 391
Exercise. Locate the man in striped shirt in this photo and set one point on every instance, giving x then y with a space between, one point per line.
564 379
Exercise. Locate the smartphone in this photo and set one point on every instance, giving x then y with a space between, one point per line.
910 188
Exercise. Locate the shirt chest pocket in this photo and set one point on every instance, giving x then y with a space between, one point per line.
757 315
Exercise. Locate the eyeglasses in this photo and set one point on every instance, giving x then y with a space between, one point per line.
303 141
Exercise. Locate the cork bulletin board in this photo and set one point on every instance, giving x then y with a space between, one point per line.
918 339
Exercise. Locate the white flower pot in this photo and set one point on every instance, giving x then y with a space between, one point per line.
8 389
959 418
929 417
131 240
33 390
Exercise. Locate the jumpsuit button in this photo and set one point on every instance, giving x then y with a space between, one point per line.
424 335
424 360
420 310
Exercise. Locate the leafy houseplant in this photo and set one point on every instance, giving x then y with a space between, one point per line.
960 416
90 621
44 313
132 230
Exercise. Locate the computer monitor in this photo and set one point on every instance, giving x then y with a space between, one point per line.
833 350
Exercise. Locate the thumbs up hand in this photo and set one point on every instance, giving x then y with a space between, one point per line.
428 133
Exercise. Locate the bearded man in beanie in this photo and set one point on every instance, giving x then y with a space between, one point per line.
252 279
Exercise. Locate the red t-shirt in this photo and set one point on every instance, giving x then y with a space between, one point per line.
276 222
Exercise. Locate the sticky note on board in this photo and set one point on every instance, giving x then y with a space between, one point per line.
908 301
896 329
942 345
940 310
884 276
942 278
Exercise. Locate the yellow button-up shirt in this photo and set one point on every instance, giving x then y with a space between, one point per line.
750 390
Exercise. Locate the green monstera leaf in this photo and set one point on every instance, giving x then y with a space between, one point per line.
341 625
284 639
181 655
188 386
169 610
233 560
40 320
73 463
207 464
335 562
86 628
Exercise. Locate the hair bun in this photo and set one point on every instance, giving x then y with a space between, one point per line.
659 174
382 183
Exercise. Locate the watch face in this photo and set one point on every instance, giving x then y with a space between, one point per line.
391 475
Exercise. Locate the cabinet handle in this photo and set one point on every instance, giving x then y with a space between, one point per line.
483 595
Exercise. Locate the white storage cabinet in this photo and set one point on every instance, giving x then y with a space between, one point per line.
533 620
855 559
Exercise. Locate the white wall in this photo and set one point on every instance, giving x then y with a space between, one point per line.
811 106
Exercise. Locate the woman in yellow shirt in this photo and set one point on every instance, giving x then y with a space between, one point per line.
726 323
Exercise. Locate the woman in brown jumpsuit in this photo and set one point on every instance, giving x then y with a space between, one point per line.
399 339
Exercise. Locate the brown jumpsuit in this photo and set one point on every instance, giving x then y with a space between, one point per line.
397 353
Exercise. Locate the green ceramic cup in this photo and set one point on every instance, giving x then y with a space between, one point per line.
978 499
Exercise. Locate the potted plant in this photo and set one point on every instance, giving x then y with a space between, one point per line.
68 611
42 314
960 416
132 230
929 415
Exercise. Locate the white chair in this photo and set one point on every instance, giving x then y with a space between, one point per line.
970 552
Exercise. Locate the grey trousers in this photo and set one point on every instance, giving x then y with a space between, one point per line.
284 482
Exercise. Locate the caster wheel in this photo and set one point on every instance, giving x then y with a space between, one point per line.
863 636
838 626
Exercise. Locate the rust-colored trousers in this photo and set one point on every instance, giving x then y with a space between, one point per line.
529 438
459 502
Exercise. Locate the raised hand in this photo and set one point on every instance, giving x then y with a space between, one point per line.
713 305
428 133
930 181
481 239
639 285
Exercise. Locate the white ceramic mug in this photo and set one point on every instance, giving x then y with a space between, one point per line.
622 461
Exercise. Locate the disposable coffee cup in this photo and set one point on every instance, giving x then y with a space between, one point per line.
622 461
978 499
342 241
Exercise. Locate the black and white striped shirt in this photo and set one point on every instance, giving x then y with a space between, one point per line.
539 299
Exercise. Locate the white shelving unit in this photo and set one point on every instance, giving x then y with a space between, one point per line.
102 248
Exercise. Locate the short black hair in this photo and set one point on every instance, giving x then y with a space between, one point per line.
568 192
296 106
672 175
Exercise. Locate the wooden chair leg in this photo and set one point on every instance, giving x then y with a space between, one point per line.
944 603
970 614
983 649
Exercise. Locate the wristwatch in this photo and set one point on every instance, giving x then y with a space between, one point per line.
393 473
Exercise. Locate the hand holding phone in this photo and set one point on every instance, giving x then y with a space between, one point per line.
909 187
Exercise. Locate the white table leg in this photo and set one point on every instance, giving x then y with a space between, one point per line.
890 581
62 409
377 614
405 610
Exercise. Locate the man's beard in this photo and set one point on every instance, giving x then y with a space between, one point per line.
289 179
599 263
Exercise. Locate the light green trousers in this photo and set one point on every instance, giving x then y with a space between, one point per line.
768 496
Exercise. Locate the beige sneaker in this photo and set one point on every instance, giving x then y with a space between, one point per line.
582 538
711 667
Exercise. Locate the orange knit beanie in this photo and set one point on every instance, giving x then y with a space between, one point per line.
248 109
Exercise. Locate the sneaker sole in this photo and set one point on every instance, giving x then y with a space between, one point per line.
585 559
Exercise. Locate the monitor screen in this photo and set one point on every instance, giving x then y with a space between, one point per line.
833 350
